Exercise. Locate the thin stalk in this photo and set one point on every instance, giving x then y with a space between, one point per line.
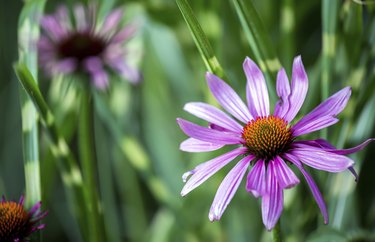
200 39
28 32
276 233
89 164
68 166
259 41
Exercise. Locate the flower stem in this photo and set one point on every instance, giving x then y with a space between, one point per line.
276 233
68 166
88 161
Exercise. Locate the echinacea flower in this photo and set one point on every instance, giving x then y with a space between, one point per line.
86 46
17 223
264 141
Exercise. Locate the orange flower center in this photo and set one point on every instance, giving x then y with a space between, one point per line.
267 137
13 220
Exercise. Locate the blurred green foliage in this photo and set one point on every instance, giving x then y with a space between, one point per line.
137 139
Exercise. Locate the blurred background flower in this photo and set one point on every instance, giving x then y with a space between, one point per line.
139 162
86 45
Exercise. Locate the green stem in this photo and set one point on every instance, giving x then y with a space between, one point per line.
88 161
276 233
200 39
68 166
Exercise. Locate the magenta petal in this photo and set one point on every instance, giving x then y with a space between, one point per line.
285 176
228 98
299 89
208 135
326 111
194 145
351 150
313 187
272 202
256 179
256 90
124 34
94 66
205 170
65 66
53 28
228 188
213 115
321 159
111 21
283 92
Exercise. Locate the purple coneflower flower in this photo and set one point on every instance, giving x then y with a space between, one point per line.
83 45
16 223
266 141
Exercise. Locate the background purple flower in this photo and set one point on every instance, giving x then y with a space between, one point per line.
264 140
84 45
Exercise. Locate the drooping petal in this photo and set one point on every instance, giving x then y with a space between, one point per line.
272 201
313 187
283 92
320 117
256 90
228 98
228 188
195 145
118 63
351 150
299 89
256 179
205 170
208 135
213 115
321 159
99 76
285 176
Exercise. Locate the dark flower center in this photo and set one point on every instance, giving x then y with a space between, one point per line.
14 222
267 137
80 46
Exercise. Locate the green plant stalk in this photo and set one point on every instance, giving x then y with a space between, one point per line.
68 167
287 27
89 164
200 39
28 32
259 41
329 21
276 233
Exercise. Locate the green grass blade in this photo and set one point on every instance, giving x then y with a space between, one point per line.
28 35
201 41
68 166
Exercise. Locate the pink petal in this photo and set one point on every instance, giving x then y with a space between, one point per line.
205 170
272 202
228 188
321 159
283 92
299 89
194 145
256 90
256 179
228 98
213 115
111 21
208 135
94 66
324 115
313 187
285 176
